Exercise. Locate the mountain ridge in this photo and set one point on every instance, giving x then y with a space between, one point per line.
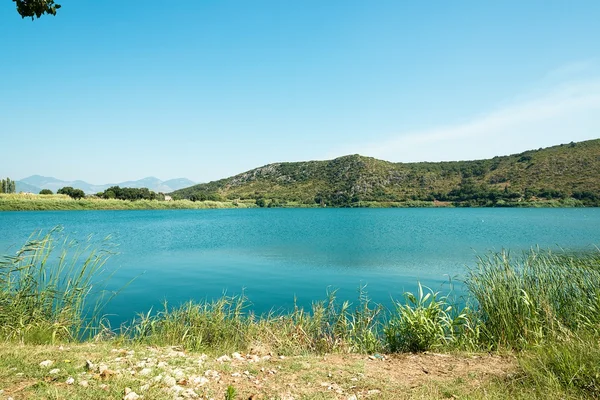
35 183
557 172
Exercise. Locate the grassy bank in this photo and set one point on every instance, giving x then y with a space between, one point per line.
24 202
542 307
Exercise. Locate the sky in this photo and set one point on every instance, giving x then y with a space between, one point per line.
204 89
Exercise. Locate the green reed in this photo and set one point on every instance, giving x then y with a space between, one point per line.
46 286
535 297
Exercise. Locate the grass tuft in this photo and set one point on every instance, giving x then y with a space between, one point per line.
46 286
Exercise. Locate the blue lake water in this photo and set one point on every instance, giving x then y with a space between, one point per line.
275 255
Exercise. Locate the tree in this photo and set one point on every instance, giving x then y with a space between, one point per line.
73 193
36 8
46 191
8 186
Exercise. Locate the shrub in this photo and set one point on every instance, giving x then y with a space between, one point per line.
422 323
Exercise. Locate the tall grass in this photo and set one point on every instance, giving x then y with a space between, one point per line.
329 326
536 297
45 288
220 324
569 365
224 325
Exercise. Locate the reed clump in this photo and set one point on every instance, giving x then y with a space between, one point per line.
221 324
224 325
537 297
46 288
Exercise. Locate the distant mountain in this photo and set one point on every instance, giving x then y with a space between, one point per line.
554 173
178 183
24 187
35 183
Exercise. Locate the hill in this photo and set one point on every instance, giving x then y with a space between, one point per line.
21 186
567 172
35 183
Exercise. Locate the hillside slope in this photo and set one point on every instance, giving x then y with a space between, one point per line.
558 172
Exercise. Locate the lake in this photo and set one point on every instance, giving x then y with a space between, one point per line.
276 255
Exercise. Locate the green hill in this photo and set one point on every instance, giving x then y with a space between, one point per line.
567 174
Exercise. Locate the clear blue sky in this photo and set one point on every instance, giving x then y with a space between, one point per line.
109 91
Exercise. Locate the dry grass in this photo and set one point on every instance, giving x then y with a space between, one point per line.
32 202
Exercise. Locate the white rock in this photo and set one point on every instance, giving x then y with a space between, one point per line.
102 368
46 363
83 383
282 357
198 381
224 358
211 374
169 381
145 387
176 388
237 356
236 375
54 371
352 397
178 373
70 380
131 396
161 364
146 371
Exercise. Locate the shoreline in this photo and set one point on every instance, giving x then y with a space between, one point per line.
29 202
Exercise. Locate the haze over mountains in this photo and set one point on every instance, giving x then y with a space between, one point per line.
35 183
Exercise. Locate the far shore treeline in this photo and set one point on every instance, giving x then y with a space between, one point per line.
567 175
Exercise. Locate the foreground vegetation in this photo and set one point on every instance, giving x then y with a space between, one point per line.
564 175
542 308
